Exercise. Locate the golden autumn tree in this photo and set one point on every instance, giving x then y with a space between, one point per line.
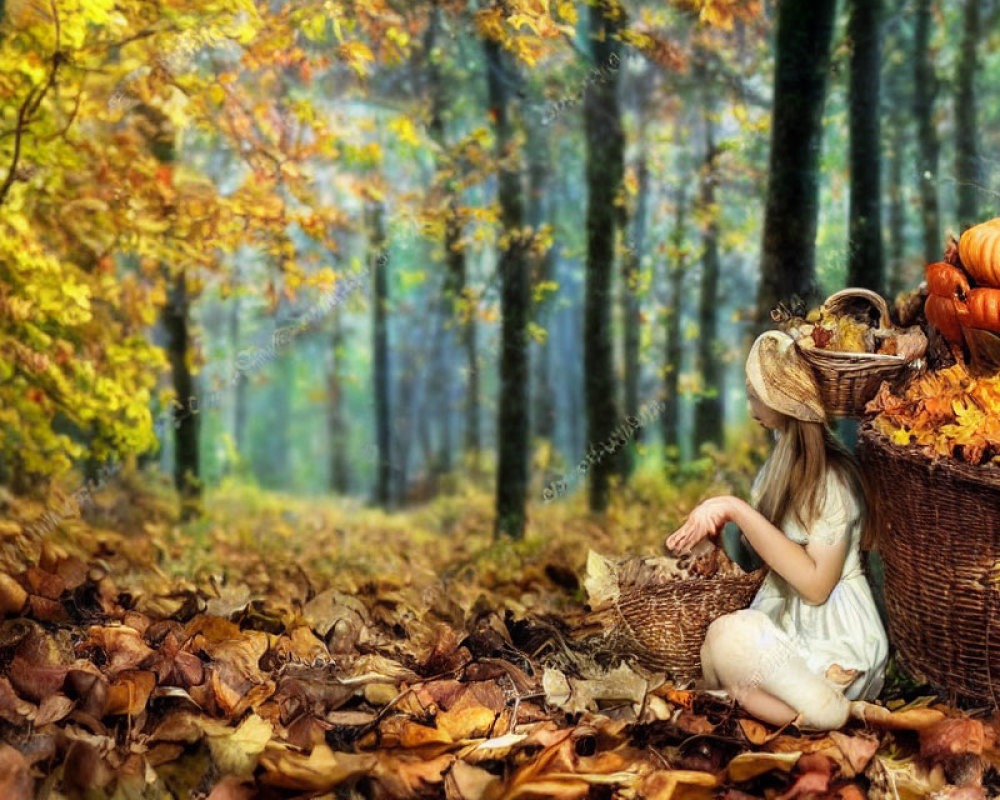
103 213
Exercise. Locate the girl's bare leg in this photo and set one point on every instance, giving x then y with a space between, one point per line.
767 707
752 659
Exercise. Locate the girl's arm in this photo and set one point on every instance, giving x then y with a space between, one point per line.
812 570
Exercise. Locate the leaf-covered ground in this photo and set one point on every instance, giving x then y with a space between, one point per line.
291 648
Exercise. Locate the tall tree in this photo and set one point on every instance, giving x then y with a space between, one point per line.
866 262
543 414
788 256
709 412
677 267
454 255
605 168
176 319
925 89
379 264
966 147
631 266
894 97
515 303
340 477
240 382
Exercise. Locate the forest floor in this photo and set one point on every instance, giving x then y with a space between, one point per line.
283 647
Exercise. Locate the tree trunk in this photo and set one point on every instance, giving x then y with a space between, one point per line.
674 345
966 147
455 280
240 383
925 89
866 263
186 461
543 417
631 302
380 352
897 208
278 459
605 167
788 257
709 409
340 475
515 307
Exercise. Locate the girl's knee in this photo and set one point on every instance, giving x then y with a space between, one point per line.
740 632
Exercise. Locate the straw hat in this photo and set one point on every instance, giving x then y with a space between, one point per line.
782 379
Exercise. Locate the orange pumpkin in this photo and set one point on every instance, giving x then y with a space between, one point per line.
945 280
979 249
942 313
984 309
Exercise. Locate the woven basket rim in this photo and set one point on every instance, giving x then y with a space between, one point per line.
985 475
818 355
691 583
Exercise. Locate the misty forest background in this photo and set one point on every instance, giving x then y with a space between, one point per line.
391 250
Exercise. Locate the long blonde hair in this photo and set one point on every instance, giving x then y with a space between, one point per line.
794 478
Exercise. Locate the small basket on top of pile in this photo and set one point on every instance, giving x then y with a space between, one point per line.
654 611
852 347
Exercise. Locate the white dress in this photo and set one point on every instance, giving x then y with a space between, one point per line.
846 629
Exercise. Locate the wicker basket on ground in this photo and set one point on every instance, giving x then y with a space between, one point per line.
847 381
939 537
656 613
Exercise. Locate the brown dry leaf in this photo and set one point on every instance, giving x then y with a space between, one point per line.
85 767
15 778
493 749
747 766
12 707
911 719
34 680
904 779
755 732
466 782
232 789
858 750
469 722
235 750
12 596
401 732
575 695
52 709
951 737
302 645
695 724
45 584
320 771
339 618
122 645
401 775
130 692
816 772
678 784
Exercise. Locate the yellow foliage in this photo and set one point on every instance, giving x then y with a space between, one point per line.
946 413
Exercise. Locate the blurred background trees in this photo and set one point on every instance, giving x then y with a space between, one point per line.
542 217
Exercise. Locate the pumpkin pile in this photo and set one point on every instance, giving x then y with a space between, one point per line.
965 288
946 413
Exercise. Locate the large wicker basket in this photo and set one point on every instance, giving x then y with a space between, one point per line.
660 623
847 381
939 536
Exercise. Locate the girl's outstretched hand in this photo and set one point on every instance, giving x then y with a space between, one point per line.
707 519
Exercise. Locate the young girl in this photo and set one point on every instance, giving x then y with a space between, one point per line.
811 641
